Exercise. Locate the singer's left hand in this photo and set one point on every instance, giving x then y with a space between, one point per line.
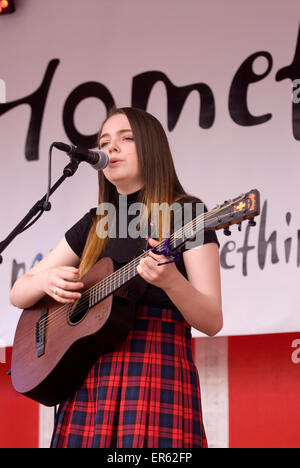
158 275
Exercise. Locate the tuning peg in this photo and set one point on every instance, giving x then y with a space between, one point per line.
227 232
252 222
240 226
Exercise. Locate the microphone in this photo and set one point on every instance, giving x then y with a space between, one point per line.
98 159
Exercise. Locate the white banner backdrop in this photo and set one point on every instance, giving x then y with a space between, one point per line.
243 133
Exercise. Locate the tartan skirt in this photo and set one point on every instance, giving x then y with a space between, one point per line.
144 394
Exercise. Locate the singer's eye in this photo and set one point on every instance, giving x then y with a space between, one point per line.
104 143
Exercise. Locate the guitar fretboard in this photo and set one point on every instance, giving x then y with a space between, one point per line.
245 206
128 272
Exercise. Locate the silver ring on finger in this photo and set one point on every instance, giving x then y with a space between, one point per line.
55 291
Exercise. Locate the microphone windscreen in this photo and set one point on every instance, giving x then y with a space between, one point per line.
102 161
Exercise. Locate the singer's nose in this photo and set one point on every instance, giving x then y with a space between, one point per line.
112 147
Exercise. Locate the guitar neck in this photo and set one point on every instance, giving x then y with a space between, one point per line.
245 206
128 272
115 281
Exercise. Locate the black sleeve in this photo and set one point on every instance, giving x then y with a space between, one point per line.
208 236
77 235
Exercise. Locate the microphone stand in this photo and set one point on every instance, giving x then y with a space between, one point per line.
38 209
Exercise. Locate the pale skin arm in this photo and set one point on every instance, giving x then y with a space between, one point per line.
58 270
198 298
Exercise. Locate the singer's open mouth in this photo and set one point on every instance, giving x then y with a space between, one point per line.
114 162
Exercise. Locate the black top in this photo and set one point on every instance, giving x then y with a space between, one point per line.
123 249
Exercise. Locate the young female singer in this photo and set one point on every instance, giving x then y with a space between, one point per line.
145 393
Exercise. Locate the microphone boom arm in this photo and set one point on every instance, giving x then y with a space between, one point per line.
39 208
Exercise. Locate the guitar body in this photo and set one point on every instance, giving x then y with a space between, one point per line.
49 370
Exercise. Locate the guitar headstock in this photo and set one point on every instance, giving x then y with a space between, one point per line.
239 209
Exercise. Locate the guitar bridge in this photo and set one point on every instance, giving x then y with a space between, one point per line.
40 333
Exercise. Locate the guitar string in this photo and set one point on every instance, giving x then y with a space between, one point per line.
48 320
55 318
57 313
51 318
121 273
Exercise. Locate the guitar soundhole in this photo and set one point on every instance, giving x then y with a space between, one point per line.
79 309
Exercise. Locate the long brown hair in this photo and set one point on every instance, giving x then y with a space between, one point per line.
159 177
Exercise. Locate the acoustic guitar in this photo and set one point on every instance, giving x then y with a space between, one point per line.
56 345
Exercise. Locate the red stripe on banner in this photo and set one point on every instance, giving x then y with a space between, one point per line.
19 427
264 383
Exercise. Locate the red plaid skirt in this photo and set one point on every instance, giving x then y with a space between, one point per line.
144 394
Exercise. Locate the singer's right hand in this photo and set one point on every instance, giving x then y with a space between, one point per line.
62 283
